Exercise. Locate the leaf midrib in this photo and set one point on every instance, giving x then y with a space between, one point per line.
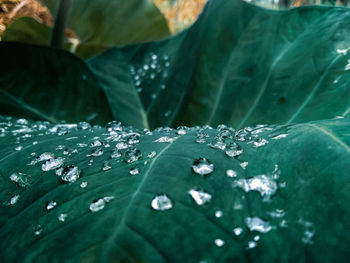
28 107
126 212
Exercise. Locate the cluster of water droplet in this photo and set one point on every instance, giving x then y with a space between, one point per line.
155 67
121 144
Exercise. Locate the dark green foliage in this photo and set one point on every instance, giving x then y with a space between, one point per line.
49 84
286 197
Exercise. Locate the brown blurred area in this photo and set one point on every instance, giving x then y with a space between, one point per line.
181 13
11 9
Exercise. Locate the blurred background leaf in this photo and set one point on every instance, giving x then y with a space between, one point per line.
99 26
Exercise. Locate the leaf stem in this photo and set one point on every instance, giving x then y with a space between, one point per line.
57 37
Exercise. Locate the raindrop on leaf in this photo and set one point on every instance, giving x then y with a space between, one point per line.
134 171
200 196
132 155
202 166
161 203
50 205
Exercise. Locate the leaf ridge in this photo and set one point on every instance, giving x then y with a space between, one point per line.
138 189
311 95
331 135
28 107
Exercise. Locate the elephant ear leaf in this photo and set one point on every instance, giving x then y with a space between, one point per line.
242 65
49 84
122 194
114 22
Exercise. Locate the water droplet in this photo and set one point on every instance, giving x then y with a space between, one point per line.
134 171
83 184
70 174
146 67
99 204
165 139
106 166
132 155
116 154
252 244
20 179
233 150
219 242
133 138
281 136
257 224
278 213
260 142
218 144
167 114
238 231
14 199
96 143
200 196
231 173
202 137
22 121
51 164
95 152
37 230
244 165
202 166
347 67
122 145
19 148
151 155
62 217
256 238
154 57
218 214
307 237
161 203
50 205
260 183
181 130
342 51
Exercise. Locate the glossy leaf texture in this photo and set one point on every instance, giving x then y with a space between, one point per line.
49 84
114 22
238 65
174 195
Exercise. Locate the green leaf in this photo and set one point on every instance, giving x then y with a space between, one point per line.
239 65
49 84
27 30
298 179
114 22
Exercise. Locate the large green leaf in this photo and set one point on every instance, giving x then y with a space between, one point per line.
114 22
239 65
27 30
296 180
49 84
